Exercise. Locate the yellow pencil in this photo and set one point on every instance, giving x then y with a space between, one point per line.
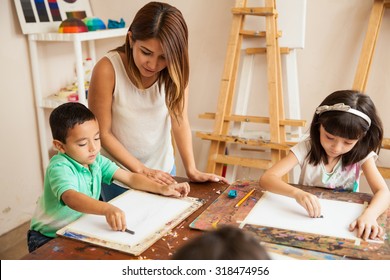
244 198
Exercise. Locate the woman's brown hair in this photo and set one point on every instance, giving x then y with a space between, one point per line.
165 23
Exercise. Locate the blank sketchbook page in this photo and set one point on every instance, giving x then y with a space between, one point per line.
282 212
150 216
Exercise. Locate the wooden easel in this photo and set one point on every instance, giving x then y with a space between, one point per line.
364 65
220 136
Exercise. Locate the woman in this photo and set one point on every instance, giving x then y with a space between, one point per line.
139 93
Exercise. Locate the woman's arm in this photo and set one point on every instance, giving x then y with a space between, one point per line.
183 139
272 181
141 182
100 96
367 225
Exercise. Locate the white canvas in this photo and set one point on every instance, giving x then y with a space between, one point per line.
150 216
278 211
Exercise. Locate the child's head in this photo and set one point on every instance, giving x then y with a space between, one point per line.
350 115
75 132
226 243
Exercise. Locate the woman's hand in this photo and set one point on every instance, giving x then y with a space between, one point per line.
176 190
197 176
159 176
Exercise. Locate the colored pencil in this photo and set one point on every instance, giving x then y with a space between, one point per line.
244 198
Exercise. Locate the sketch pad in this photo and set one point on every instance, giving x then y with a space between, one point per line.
150 216
278 211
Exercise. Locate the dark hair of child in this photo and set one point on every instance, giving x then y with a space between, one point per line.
226 243
66 116
346 125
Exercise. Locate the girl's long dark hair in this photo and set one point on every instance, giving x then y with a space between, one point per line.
347 125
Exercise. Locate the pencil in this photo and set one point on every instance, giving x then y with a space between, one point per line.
129 231
244 198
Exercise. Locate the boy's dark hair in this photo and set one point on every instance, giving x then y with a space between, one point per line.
347 125
66 116
226 243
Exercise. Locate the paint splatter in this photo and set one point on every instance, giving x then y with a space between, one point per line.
57 249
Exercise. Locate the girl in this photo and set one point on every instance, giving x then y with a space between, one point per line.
139 94
345 137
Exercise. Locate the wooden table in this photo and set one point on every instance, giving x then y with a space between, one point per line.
287 242
277 241
62 248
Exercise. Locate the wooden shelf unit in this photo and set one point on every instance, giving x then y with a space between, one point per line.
41 100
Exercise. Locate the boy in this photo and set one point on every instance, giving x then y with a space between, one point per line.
73 178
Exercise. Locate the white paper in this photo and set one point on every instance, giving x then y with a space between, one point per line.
282 212
146 214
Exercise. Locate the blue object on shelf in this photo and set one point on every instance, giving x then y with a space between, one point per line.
115 24
232 194
94 23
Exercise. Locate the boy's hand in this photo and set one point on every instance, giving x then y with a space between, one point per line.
115 217
176 190
310 202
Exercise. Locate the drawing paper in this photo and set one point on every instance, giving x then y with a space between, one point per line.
150 216
278 211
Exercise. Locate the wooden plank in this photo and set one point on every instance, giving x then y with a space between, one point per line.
385 172
282 129
386 143
366 57
226 89
368 49
273 75
252 33
264 50
255 11
245 141
242 161
255 119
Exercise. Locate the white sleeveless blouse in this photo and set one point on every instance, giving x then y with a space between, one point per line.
140 119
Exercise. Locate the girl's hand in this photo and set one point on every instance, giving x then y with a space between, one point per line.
197 176
310 202
367 227
159 176
176 190
115 217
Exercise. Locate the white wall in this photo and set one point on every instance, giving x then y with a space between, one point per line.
334 36
20 175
